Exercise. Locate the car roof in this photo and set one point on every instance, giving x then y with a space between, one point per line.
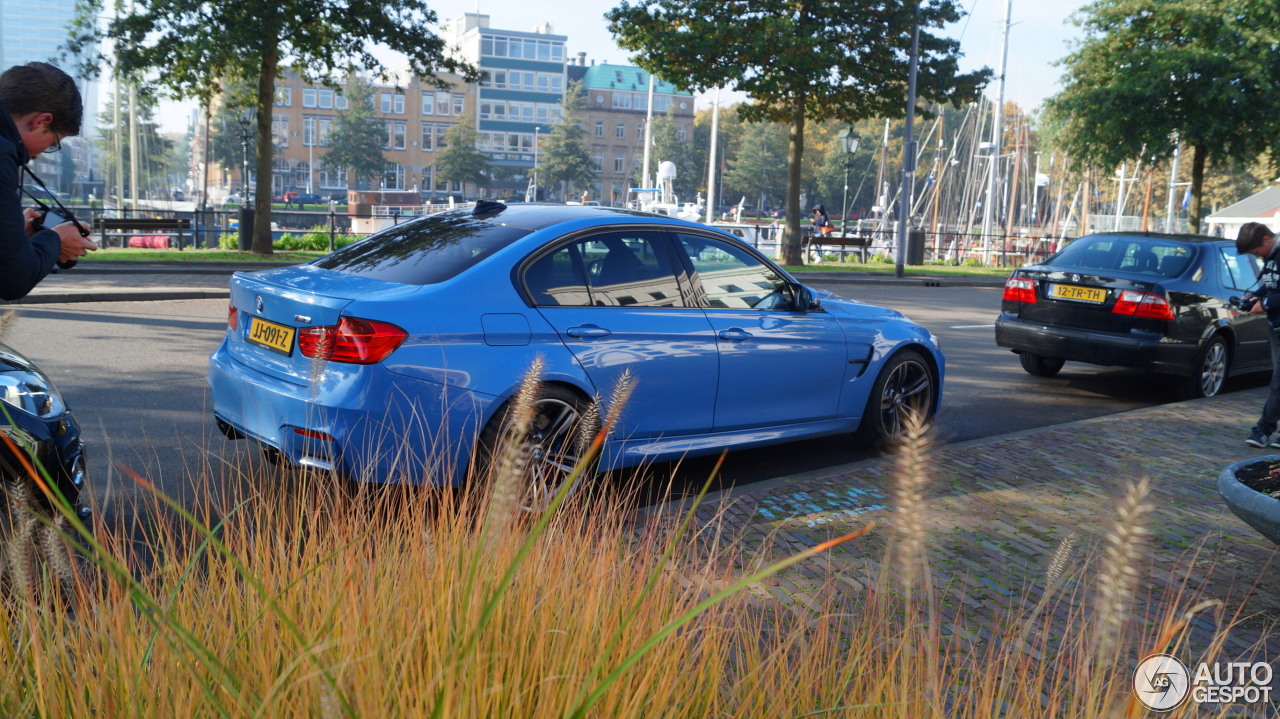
1176 236
537 215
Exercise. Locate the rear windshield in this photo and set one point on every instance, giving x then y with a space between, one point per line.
1135 255
423 251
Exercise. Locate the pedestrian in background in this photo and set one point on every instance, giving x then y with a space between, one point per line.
39 106
821 222
1256 239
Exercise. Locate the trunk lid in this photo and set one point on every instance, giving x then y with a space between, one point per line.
273 305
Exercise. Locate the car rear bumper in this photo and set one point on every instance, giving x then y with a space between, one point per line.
1147 351
398 430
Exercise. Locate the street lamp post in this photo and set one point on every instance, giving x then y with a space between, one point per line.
536 130
848 141
246 210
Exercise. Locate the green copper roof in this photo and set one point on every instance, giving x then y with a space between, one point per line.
625 77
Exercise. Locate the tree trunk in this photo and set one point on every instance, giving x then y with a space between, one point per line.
792 252
266 148
1197 187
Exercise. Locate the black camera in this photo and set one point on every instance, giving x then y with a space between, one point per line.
51 218
1247 302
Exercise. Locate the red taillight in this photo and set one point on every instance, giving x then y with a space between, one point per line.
1020 289
353 340
233 316
1142 304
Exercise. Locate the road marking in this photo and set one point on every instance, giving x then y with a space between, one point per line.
972 327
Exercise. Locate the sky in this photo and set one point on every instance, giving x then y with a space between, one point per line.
1040 34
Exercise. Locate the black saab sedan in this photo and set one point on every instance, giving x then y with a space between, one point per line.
1164 302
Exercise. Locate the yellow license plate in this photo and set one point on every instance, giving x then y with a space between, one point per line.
270 335
1095 295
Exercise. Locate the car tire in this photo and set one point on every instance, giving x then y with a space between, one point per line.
555 444
1041 366
907 381
1209 371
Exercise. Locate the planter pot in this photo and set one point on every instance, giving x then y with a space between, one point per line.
1258 510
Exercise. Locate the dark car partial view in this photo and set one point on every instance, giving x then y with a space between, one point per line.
42 432
1168 303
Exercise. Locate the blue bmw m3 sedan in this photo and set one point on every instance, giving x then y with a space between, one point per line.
396 359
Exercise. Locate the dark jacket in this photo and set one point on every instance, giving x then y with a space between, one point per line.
24 261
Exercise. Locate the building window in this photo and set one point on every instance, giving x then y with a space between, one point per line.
309 131
622 101
308 97
681 134
302 175
393 177
395 136
326 98
440 131
386 103
428 137
619 163
284 96
597 161
459 101
280 130
341 103
599 128
443 103
640 129
326 126
620 131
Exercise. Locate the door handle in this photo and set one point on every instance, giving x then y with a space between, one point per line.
735 334
588 331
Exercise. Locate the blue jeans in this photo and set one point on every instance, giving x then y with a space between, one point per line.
1271 410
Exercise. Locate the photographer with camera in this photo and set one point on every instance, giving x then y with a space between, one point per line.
1256 239
39 106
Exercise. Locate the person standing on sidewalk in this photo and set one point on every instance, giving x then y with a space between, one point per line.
1256 239
39 106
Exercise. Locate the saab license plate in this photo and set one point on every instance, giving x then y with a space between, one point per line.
274 337
1096 295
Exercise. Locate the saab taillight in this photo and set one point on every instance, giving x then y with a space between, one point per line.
233 316
1142 304
352 340
1020 289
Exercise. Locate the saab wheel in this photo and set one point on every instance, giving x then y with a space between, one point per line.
1209 372
907 385
1040 366
552 447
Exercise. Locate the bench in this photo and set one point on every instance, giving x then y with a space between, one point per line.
153 224
840 242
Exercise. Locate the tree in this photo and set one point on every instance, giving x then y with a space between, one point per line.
356 140
757 165
193 47
1150 73
460 161
565 158
799 60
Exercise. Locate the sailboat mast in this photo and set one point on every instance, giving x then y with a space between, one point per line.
996 130
711 161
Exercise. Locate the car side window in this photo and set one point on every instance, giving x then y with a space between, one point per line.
733 278
614 269
1239 272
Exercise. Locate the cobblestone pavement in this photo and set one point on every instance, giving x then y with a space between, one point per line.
998 509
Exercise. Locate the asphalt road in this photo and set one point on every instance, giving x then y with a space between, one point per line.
134 373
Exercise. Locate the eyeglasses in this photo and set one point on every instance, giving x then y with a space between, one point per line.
57 144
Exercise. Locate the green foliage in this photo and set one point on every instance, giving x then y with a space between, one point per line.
460 161
229 241
154 150
1203 70
667 147
843 59
972 262
356 140
881 258
757 165
314 240
565 157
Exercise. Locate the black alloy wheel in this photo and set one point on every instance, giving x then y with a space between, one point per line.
553 446
907 386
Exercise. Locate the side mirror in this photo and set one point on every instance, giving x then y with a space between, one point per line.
804 299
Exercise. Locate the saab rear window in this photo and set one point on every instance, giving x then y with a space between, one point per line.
1143 256
423 251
